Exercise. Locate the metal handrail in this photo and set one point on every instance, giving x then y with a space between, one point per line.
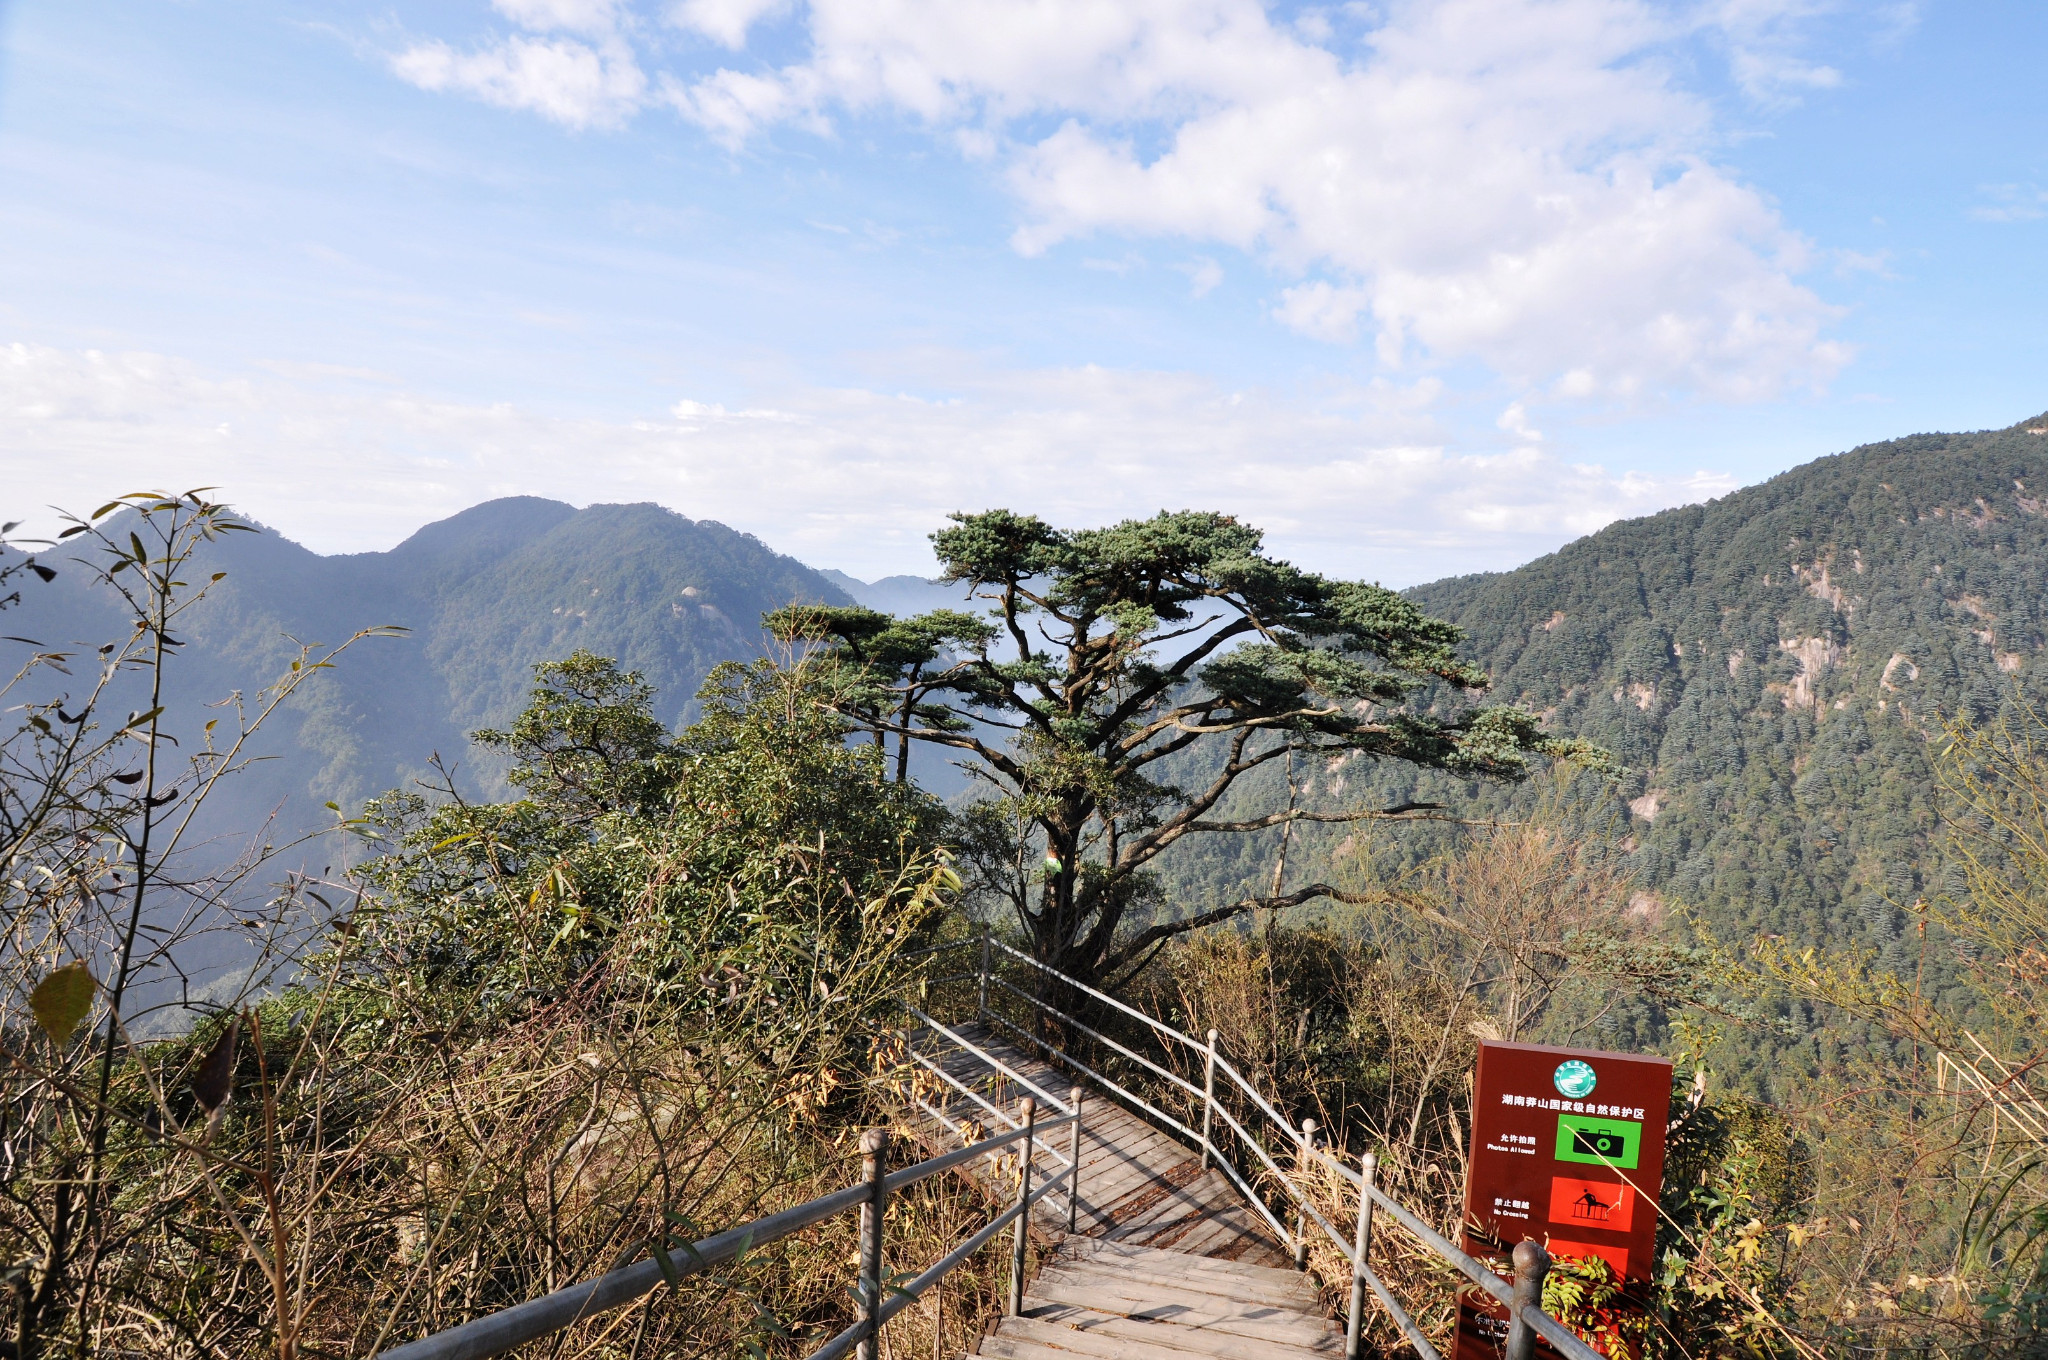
1567 1342
1098 1036
1168 1030
958 1130
1486 1278
1108 1084
910 1292
496 1333
991 1059
1415 1335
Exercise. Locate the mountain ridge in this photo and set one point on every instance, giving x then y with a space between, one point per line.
482 596
1770 667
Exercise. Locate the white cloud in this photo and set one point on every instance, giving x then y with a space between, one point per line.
576 84
1322 310
592 17
1764 39
1359 483
2012 203
1523 183
1204 276
724 21
1515 420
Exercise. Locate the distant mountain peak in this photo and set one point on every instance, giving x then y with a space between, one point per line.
474 538
902 596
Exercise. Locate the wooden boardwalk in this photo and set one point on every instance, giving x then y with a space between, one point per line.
1168 1262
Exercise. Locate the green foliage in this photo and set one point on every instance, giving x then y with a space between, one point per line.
1772 671
1586 1295
891 667
1738 1184
110 888
757 852
1114 650
587 742
646 995
485 596
2006 1257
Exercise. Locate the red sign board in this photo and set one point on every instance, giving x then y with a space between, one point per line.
1568 1149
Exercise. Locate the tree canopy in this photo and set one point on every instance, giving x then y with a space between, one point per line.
1106 652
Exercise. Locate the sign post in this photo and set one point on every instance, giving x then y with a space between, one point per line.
1567 1150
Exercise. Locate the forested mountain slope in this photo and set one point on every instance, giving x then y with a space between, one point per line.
1770 667
483 596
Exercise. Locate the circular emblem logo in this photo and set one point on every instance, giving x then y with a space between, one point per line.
1574 1079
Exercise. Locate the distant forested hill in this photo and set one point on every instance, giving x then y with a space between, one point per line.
1771 667
484 595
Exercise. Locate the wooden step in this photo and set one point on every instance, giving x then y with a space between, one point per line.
1277 1288
1094 1343
1194 1291
1180 1307
1171 1262
1209 1342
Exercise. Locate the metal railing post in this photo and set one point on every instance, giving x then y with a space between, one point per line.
1023 1208
981 1004
1074 1155
1354 1324
874 1165
1532 1263
1208 1099
1302 1153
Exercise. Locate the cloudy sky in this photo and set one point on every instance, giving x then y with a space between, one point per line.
1421 286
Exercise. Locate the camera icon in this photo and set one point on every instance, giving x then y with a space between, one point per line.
1598 1143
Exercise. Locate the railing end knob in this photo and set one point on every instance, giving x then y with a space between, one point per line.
873 1141
1530 1258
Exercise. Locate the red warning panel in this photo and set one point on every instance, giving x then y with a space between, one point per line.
1567 1150
1606 1205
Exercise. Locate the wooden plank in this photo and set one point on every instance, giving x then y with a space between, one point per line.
1171 1343
1107 1185
1297 1296
1011 1346
1179 1266
1079 1248
1174 1215
1211 1196
1286 1288
1193 1235
1205 1341
1181 1308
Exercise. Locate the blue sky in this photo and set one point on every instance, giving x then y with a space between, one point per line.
1419 287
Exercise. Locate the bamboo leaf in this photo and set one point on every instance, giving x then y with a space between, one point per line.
62 1000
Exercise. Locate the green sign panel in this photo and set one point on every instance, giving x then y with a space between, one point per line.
1599 1142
